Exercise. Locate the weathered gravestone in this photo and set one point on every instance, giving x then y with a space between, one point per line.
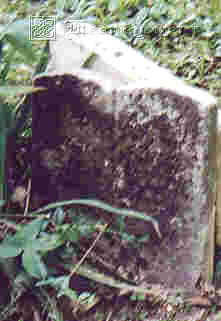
129 133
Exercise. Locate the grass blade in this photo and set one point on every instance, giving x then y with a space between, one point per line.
105 207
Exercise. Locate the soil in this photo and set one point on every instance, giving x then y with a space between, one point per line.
112 256
111 304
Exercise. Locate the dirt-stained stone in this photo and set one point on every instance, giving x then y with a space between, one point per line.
144 149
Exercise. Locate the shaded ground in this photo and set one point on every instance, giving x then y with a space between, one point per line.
112 306
113 257
129 155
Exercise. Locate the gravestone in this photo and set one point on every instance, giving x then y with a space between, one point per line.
129 133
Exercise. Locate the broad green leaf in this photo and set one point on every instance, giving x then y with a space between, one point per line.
218 51
5 121
58 282
58 216
68 292
3 134
18 90
105 207
91 299
141 15
86 228
43 61
22 278
33 263
60 5
17 33
5 117
1 51
65 284
121 223
138 297
11 247
84 296
72 234
109 281
7 65
30 231
61 284
113 5
47 243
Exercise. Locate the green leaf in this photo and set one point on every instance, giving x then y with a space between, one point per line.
43 61
121 223
47 243
141 15
58 216
60 5
11 247
72 234
18 90
107 208
113 5
17 33
60 282
22 279
138 297
86 228
1 51
89 273
84 296
33 263
68 292
5 121
5 117
3 138
7 65
30 231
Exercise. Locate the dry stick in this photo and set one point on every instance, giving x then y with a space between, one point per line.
36 315
204 315
109 315
211 245
28 195
19 104
88 251
213 239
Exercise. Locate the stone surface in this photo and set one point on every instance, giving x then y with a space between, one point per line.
143 145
